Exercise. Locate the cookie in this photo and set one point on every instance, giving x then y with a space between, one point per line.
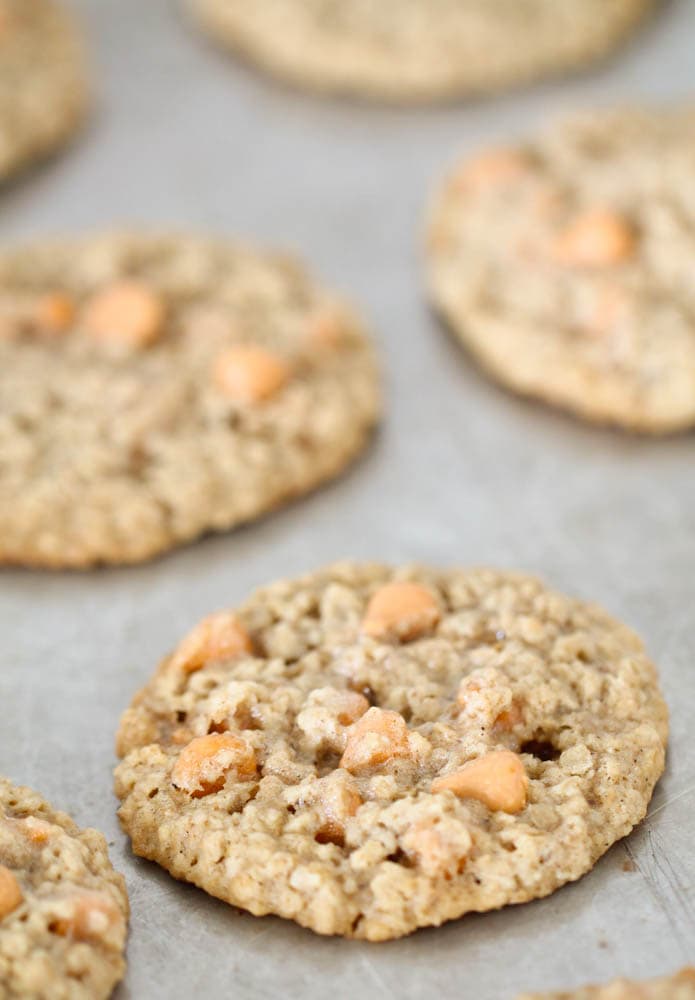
367 751
155 388
43 86
564 263
680 986
63 909
418 50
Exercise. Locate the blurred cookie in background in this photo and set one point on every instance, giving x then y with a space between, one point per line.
63 908
43 81
565 265
419 50
156 388
680 986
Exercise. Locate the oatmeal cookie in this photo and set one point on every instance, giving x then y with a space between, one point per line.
564 265
369 750
63 909
43 81
680 986
419 50
156 388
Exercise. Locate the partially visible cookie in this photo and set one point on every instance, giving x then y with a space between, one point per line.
155 388
63 909
367 750
565 265
680 986
43 85
416 50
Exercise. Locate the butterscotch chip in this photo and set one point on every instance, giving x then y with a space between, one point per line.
366 789
10 892
379 736
62 906
327 328
498 780
401 611
337 799
127 312
401 52
569 281
55 312
203 765
89 916
493 168
117 441
597 238
249 375
217 637
679 986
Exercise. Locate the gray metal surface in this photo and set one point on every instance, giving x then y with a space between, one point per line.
461 473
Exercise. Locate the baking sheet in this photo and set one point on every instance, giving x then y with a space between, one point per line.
460 473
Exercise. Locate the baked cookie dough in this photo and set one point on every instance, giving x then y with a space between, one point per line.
43 86
63 909
418 50
565 266
680 986
367 750
155 388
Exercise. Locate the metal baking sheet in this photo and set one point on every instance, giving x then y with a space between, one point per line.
461 473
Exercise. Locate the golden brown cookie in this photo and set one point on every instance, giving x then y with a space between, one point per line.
63 909
156 388
367 750
680 986
43 85
418 50
564 265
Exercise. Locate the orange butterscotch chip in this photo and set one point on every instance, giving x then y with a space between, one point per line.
596 238
493 168
510 717
401 612
339 799
37 830
498 780
326 327
10 892
126 312
93 915
220 636
54 312
350 706
247 374
203 765
429 846
379 736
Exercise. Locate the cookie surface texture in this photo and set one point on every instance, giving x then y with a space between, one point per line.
563 266
43 81
367 751
680 986
156 388
63 909
419 50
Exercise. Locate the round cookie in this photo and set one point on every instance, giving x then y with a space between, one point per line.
43 86
680 986
367 750
565 266
63 909
418 50
155 388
